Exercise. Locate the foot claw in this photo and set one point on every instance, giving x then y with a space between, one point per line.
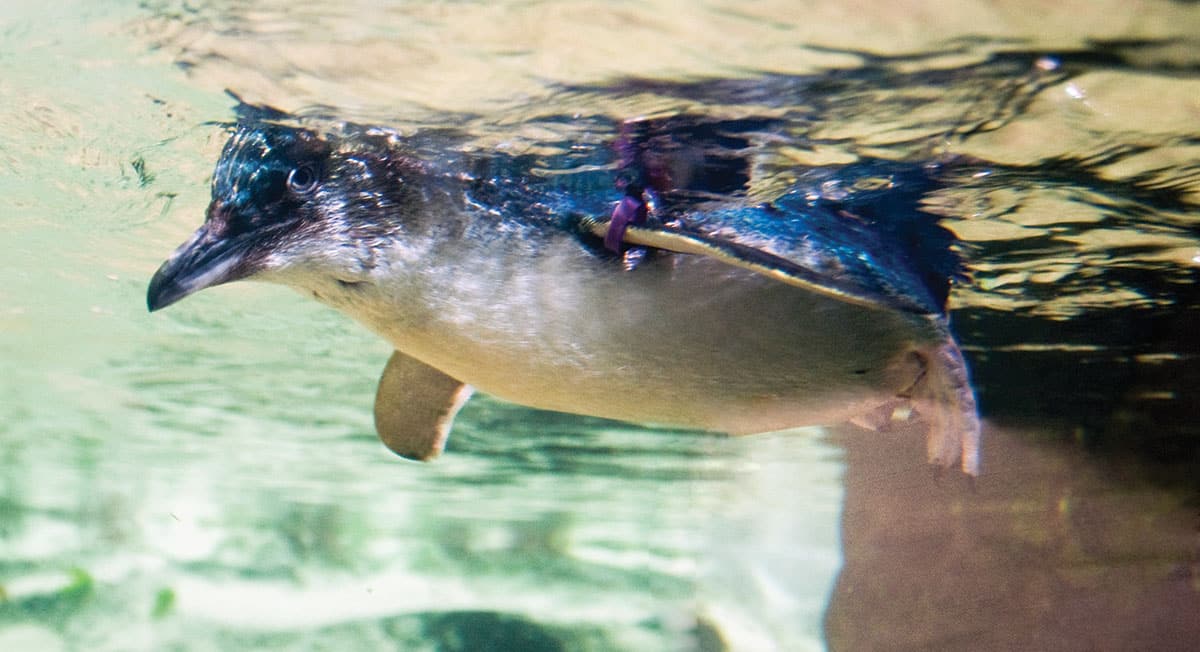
633 257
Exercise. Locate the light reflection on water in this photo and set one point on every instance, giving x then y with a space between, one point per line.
206 478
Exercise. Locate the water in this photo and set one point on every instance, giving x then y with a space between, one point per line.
207 477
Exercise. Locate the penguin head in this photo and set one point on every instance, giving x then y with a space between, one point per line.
297 206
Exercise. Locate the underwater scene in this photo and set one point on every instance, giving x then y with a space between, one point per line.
1008 189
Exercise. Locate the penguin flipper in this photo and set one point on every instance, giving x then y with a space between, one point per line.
415 407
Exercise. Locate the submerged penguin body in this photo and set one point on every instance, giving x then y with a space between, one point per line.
713 313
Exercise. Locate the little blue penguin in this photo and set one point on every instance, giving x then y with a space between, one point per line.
500 272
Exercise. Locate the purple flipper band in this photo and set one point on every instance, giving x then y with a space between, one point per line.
630 210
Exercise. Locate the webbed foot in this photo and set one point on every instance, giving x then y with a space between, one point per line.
882 417
945 399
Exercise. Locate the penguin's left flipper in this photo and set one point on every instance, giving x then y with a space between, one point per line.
415 407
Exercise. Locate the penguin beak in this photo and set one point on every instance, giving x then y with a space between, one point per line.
207 259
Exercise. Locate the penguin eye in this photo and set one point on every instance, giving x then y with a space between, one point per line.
302 180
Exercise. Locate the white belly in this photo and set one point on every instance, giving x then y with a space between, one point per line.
681 340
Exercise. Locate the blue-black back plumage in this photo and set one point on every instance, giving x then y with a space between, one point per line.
869 239
858 228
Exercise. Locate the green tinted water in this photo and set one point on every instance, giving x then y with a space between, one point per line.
207 477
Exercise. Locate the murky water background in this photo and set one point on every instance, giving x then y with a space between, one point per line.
208 478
